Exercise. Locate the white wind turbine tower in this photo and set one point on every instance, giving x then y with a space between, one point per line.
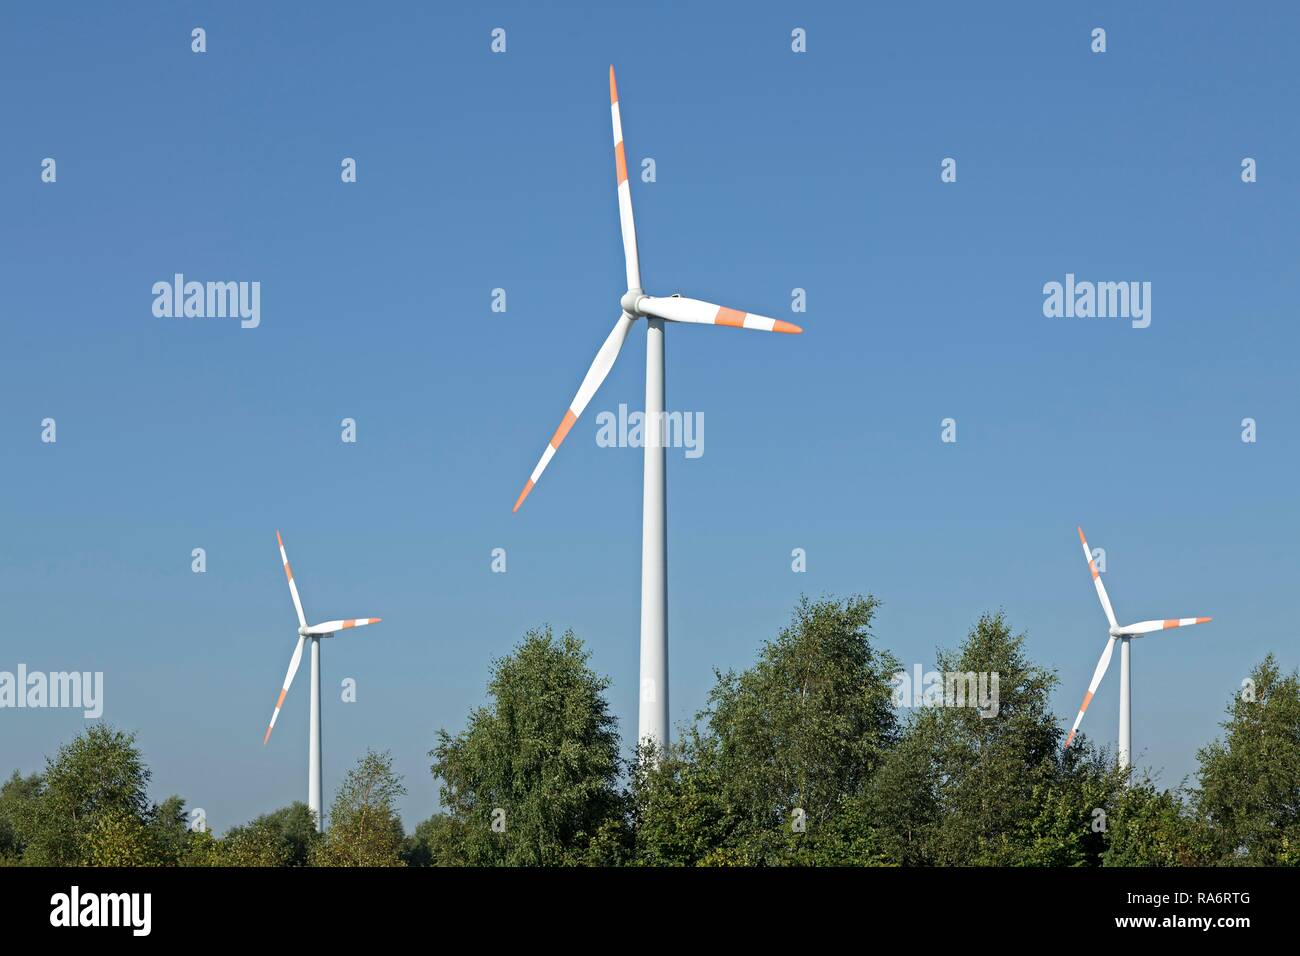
635 304
1123 635
316 632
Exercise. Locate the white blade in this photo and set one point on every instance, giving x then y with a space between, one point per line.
293 588
1097 675
1096 579
624 191
288 679
329 627
600 367
1146 627
681 309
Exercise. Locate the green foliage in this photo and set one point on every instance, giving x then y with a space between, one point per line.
966 789
284 837
778 772
798 760
100 774
544 753
18 798
365 829
1151 827
437 841
1250 781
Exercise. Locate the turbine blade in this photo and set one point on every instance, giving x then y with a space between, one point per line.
329 627
625 221
1096 579
293 588
288 679
1097 675
1146 627
600 367
681 309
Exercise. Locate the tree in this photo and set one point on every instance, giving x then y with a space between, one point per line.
437 841
1151 827
776 768
533 779
18 798
283 837
365 829
967 788
100 774
1249 793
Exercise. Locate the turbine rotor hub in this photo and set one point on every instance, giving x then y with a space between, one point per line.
629 302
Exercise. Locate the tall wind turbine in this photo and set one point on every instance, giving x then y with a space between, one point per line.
1123 635
635 304
315 632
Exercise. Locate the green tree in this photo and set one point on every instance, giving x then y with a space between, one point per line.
437 841
968 788
99 774
18 798
365 829
776 770
1151 827
544 754
1249 795
283 837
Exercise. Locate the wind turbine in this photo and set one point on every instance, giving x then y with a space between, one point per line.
635 304
315 632
1123 635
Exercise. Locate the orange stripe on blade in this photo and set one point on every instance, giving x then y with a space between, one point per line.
1204 620
1171 623
288 571
729 317
620 160
563 430
347 624
613 87
280 703
1087 699
1093 568
523 494
788 327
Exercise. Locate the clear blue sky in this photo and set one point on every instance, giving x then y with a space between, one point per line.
775 171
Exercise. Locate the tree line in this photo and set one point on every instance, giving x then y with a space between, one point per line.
800 759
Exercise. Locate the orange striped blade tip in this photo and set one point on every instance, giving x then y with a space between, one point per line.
268 735
562 432
613 87
528 486
787 327
278 539
1069 740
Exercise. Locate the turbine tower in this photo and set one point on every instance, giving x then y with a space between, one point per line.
1123 635
316 632
652 724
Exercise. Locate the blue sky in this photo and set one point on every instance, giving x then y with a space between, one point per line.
774 171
